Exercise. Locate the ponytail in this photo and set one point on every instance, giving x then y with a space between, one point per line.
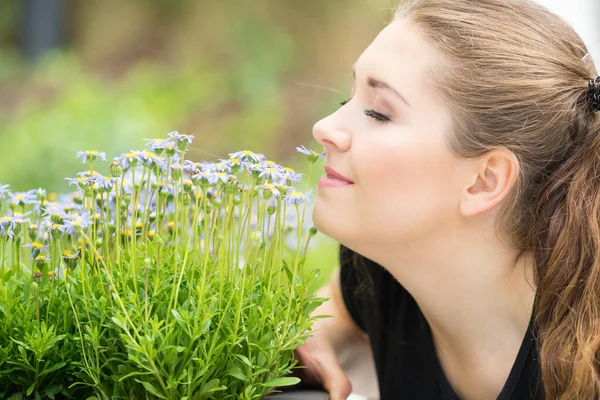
566 244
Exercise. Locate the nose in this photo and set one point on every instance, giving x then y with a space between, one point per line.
331 134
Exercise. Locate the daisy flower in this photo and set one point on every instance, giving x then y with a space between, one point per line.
151 159
183 141
296 198
190 166
180 137
23 198
246 155
91 155
36 248
76 222
269 190
291 176
129 159
271 173
4 189
158 145
312 155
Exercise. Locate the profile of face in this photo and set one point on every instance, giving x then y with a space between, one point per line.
388 139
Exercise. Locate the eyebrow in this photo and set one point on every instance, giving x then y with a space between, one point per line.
379 84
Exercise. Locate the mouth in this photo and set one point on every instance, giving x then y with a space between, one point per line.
331 173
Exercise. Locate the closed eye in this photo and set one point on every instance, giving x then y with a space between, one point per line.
376 116
370 113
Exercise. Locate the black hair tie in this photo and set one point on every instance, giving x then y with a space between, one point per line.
594 94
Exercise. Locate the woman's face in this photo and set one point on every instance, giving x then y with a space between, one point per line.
389 141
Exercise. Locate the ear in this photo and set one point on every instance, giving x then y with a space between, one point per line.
494 174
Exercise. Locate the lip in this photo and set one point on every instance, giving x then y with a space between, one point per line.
334 178
334 174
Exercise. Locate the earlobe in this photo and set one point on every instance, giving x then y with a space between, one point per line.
494 177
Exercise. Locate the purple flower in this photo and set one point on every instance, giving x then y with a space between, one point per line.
312 155
208 167
79 181
158 145
190 166
76 222
4 189
10 223
246 155
23 198
218 176
151 159
92 155
223 166
274 174
269 188
296 198
129 159
36 249
105 182
291 175
180 137
212 178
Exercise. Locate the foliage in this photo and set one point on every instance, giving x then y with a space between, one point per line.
161 280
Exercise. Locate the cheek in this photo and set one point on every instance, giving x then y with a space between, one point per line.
408 187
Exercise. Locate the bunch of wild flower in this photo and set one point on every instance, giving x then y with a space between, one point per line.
164 279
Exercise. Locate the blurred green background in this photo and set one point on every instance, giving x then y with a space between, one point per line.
237 74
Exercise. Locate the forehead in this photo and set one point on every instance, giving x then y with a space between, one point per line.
400 55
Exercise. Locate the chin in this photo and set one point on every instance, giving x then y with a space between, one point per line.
324 221
329 224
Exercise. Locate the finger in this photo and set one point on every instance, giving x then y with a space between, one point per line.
336 382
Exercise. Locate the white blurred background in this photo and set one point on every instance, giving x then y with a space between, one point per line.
584 16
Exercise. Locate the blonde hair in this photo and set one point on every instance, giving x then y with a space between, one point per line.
514 76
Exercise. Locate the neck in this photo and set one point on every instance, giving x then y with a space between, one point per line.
475 293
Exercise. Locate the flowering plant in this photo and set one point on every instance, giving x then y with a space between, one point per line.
166 279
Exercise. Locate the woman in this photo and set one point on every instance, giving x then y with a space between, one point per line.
464 187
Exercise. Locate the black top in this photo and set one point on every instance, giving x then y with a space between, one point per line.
405 357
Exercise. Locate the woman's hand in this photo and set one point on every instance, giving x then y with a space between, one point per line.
319 354
322 367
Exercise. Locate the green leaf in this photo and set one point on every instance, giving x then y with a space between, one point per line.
119 323
244 359
30 389
177 315
237 372
53 368
285 381
52 390
211 386
150 388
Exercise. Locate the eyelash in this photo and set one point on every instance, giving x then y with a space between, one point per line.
371 114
